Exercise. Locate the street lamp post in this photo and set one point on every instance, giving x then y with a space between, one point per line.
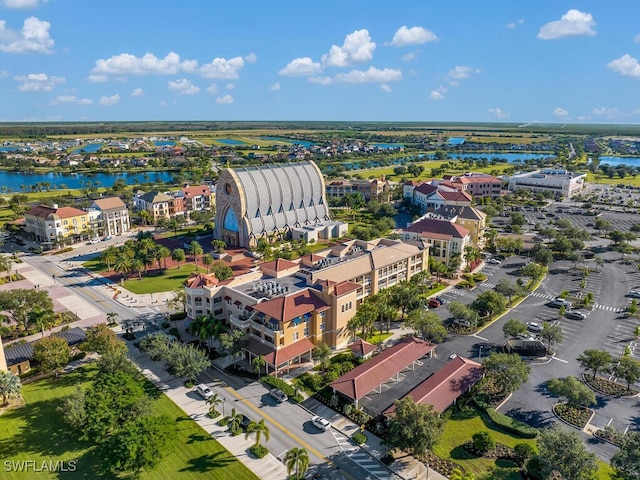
480 353
224 402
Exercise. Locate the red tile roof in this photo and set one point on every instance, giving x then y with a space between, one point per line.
457 196
43 211
196 190
289 352
426 188
279 264
343 288
373 373
199 280
443 387
291 306
362 348
430 227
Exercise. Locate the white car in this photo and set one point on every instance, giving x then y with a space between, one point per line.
534 327
575 315
204 391
560 302
633 294
321 423
494 261
278 395
452 356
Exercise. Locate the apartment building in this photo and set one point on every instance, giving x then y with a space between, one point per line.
195 198
478 185
158 205
470 218
113 217
370 188
446 239
286 307
51 225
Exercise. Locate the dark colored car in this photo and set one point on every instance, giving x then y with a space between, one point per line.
244 423
433 303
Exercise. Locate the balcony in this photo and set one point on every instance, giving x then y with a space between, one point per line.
259 324
241 322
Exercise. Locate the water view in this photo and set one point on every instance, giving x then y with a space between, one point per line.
303 143
89 148
24 181
388 146
165 143
230 141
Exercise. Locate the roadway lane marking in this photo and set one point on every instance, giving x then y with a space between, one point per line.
560 360
261 413
481 338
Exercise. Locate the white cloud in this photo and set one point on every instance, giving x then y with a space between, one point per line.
386 88
71 99
38 82
20 4
574 23
412 36
137 92
459 73
251 58
109 101
357 48
372 74
498 113
229 86
226 100
408 56
4 74
626 65
223 68
321 80
515 24
438 94
183 87
604 111
148 64
275 87
33 38
98 78
212 89
301 67
559 112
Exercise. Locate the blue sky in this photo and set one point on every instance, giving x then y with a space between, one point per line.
548 61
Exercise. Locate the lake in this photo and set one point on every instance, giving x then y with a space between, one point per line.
304 143
13 180
88 148
230 141
165 143
388 146
456 141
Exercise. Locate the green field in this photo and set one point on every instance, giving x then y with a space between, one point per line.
37 432
390 175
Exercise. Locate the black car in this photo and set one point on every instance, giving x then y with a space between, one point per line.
244 423
441 300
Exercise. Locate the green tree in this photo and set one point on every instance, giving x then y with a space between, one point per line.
178 300
551 333
19 303
483 442
195 249
489 303
297 460
523 452
460 311
427 325
109 256
322 355
595 360
628 369
73 409
222 271
507 288
533 270
42 318
563 451
213 403
414 427
258 429
542 255
140 444
10 386
508 371
101 339
233 343
207 261
457 474
573 390
404 297
365 318
52 353
178 255
187 361
258 364
512 328
626 461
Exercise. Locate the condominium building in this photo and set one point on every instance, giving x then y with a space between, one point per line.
158 205
446 239
478 185
286 307
370 188
195 198
51 225
113 218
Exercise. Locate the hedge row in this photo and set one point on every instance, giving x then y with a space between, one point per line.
291 392
511 424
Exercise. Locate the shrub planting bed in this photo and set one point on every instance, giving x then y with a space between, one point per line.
440 465
607 387
573 415
500 451
609 435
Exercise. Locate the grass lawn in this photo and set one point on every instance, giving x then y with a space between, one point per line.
378 338
37 432
165 281
460 430
601 178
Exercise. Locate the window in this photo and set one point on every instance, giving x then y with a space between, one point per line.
322 327
296 336
306 331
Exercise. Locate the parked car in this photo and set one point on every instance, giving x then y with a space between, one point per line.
204 391
534 327
575 315
494 261
93 241
244 423
278 395
633 294
106 239
321 423
441 300
452 356
433 303
560 302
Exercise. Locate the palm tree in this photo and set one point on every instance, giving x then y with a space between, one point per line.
213 403
162 253
9 386
207 261
43 318
144 217
235 420
109 256
111 317
259 428
6 262
178 255
195 249
457 474
123 264
297 459
138 265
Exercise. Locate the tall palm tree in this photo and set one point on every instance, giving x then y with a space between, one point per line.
123 264
109 256
162 253
43 318
297 459
235 419
213 403
258 428
111 317
178 255
6 262
207 261
195 249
